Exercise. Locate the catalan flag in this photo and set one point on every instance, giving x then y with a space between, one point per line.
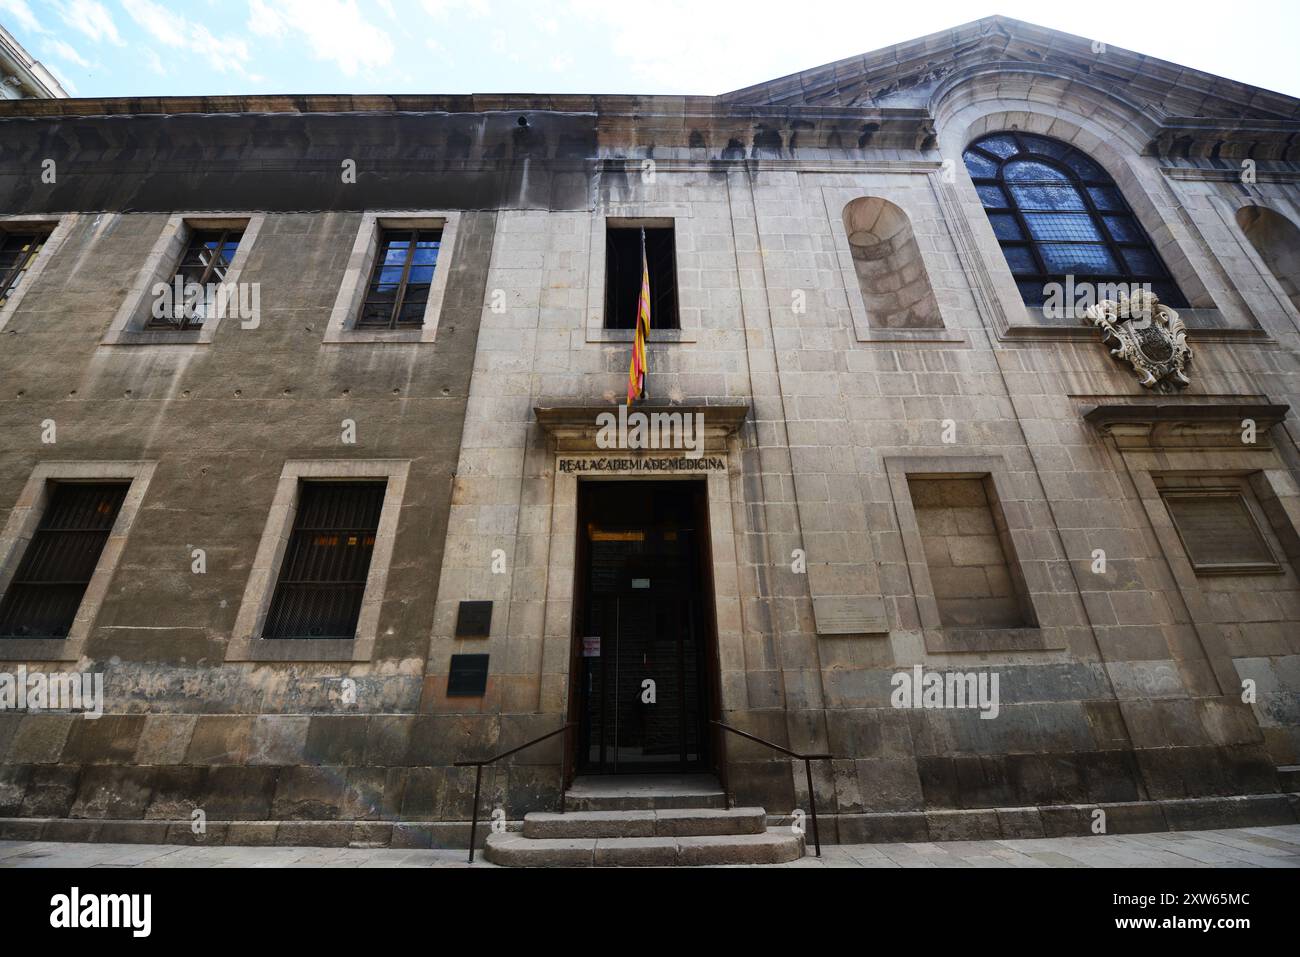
637 369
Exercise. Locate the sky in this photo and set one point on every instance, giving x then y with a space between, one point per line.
194 47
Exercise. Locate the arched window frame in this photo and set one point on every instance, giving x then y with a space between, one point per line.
1084 175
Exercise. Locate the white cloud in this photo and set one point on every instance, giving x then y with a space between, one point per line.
226 54
91 18
561 62
66 51
154 60
158 21
22 14
475 9
334 30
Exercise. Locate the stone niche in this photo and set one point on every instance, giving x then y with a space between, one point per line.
891 274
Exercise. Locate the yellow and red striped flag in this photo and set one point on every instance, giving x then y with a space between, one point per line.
637 369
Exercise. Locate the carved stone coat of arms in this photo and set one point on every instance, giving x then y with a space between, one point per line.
1146 334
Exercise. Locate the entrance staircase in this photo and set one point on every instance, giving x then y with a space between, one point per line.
645 821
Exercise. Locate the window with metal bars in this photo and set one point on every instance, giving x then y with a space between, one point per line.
623 276
327 560
50 582
399 283
1056 213
206 260
18 250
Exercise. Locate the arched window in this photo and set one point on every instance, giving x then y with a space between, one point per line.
1057 214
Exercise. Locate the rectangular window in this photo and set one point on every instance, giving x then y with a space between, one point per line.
50 582
326 562
1219 532
400 281
18 250
623 273
206 260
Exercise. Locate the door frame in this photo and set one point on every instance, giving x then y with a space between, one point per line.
712 684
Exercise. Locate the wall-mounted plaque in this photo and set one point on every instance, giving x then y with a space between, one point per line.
847 615
468 677
474 619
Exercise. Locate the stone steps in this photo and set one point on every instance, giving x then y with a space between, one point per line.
663 822
644 794
645 821
773 846
1288 776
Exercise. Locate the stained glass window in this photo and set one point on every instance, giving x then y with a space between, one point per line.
1056 214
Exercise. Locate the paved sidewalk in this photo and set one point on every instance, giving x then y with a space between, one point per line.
1241 847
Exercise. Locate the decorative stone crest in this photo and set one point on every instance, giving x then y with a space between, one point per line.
1146 334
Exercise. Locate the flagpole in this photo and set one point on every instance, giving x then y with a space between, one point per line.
645 336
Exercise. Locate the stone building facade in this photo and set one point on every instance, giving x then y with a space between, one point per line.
22 76
902 465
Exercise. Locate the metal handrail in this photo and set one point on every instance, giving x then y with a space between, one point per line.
478 775
807 760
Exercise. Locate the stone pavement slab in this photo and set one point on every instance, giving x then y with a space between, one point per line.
1277 846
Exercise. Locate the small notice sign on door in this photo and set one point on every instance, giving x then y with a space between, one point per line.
591 647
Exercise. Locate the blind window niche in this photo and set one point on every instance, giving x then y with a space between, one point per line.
977 581
326 561
51 580
623 275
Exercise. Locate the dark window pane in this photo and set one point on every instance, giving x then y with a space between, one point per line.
50 582
623 267
1142 262
375 314
1033 293
426 254
420 275
326 562
1020 259
980 166
17 252
1032 171
1124 230
1003 146
992 197
1106 198
1063 259
1005 226
1077 227
1168 293
1047 197
1084 167
1046 147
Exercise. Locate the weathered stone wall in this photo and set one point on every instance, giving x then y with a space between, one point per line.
1124 686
